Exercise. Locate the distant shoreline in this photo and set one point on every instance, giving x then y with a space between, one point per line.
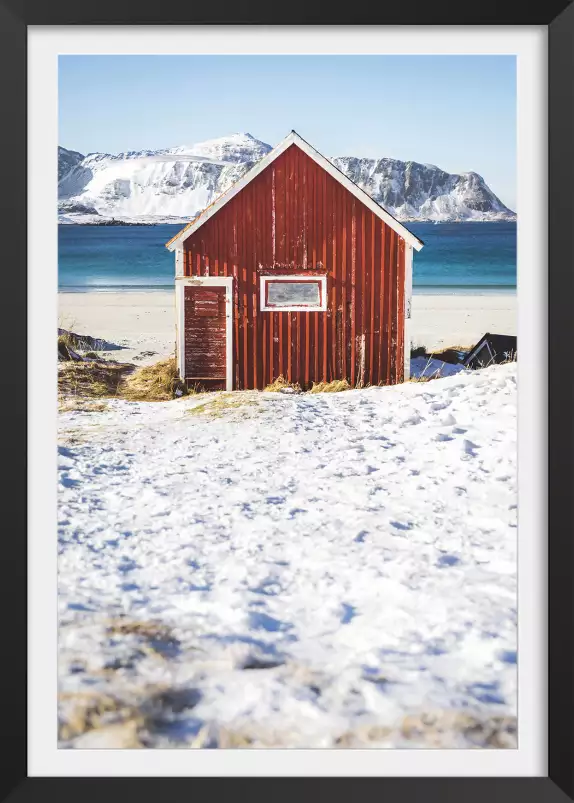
186 221
421 290
142 322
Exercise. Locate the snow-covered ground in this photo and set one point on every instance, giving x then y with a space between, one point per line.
431 368
292 570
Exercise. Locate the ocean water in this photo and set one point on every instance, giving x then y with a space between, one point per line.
456 258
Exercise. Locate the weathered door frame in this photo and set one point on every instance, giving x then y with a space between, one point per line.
205 281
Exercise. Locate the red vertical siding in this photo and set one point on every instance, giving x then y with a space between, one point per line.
294 217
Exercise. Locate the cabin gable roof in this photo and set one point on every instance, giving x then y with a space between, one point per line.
294 139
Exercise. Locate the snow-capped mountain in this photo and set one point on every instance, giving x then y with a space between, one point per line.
67 160
413 191
175 184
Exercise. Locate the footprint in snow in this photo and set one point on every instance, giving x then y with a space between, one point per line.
412 420
262 621
399 525
470 448
255 662
68 482
448 560
449 420
270 587
486 693
348 613
507 656
127 565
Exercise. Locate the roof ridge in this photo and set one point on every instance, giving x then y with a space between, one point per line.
293 138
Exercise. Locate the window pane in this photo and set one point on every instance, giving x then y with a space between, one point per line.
293 293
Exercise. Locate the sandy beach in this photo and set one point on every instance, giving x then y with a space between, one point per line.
141 324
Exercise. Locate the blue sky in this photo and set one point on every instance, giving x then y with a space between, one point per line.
458 112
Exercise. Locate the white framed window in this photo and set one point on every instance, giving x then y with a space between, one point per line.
293 293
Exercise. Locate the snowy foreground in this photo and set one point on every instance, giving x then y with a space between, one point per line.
292 570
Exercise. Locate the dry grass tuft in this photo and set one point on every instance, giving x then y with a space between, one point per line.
145 629
512 357
157 382
67 341
281 383
438 729
336 386
364 736
450 353
233 739
83 712
74 403
219 405
91 379
153 637
105 720
100 379
119 736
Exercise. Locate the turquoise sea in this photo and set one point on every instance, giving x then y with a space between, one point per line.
456 258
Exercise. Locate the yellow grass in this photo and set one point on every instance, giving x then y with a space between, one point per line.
454 348
96 379
219 405
280 384
336 386
67 341
100 379
83 712
75 403
155 631
157 382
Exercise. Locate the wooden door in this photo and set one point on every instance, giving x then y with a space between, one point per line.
205 336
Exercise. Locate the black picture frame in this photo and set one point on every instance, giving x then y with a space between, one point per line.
558 15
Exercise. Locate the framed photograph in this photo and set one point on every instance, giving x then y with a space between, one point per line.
299 470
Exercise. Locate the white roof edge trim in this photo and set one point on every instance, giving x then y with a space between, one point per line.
329 167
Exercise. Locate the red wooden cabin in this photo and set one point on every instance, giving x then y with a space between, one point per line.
293 271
